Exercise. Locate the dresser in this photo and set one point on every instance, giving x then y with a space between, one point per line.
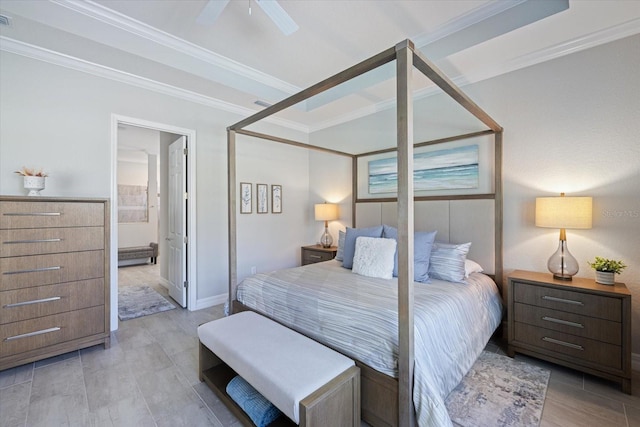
579 323
316 253
54 277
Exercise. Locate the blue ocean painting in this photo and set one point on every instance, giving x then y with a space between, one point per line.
453 168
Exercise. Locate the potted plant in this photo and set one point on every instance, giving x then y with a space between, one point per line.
33 180
606 269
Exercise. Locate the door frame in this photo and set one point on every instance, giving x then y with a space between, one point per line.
191 207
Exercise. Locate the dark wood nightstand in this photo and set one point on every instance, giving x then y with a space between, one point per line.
316 253
580 324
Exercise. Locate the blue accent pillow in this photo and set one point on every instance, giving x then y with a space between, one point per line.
422 244
350 241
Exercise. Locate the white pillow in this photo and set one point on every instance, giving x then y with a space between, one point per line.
471 267
374 257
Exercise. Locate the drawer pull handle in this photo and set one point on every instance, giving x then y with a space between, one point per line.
33 214
33 270
315 256
566 301
13 242
564 343
35 301
31 334
563 322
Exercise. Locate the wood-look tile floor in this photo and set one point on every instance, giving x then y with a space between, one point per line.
149 378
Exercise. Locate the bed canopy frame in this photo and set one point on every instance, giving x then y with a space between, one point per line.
407 57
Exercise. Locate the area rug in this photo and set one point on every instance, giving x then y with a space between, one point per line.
499 391
138 301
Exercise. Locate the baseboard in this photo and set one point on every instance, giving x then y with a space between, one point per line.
635 362
210 301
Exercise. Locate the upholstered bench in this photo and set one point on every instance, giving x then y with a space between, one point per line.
310 383
139 252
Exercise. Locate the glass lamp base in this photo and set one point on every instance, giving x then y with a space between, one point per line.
326 240
562 264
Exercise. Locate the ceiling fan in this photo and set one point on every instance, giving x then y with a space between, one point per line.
272 8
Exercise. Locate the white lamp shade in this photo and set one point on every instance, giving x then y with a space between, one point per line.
564 212
326 212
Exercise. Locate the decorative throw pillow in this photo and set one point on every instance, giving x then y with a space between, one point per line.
340 252
447 261
422 243
373 257
471 267
350 241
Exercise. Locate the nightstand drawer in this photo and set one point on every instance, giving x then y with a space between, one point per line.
570 347
570 323
569 301
310 257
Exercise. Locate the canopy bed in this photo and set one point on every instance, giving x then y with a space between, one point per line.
388 396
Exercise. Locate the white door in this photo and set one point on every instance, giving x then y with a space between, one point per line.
177 237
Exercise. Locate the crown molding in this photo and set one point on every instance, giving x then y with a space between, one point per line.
140 29
56 58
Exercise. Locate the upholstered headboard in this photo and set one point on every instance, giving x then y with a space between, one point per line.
457 221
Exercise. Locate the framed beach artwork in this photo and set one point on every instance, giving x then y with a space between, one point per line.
262 198
276 199
245 198
443 169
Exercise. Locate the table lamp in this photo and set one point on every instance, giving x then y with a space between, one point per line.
326 212
563 212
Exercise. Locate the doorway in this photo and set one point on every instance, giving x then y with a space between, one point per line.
175 207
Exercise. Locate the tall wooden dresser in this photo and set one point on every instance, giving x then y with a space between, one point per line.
54 277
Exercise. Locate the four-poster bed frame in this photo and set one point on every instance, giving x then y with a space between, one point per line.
377 386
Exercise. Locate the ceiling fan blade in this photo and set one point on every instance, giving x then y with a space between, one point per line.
211 11
278 15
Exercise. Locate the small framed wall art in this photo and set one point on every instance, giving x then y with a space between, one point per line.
276 199
262 198
245 198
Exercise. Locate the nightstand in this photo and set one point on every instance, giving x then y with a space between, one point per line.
580 324
316 253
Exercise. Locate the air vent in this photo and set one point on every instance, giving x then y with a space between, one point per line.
262 103
4 20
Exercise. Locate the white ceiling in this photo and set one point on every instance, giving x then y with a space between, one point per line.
242 58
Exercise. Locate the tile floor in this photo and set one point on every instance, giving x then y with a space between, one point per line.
149 378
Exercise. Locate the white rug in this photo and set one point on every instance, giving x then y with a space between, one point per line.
499 391
138 301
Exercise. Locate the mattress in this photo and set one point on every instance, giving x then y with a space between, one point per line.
358 316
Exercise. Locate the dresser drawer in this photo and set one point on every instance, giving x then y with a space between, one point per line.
37 241
310 257
570 347
32 334
50 214
29 303
28 271
570 323
569 301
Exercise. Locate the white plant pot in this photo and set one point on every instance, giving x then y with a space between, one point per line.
34 184
605 277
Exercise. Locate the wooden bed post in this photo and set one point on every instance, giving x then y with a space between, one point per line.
231 179
404 111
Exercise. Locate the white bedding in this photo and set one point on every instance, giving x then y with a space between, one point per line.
359 316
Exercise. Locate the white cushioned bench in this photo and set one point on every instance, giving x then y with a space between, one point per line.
310 383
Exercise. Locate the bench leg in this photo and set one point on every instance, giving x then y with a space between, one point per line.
336 403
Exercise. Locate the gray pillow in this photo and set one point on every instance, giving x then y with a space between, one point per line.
340 252
447 261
